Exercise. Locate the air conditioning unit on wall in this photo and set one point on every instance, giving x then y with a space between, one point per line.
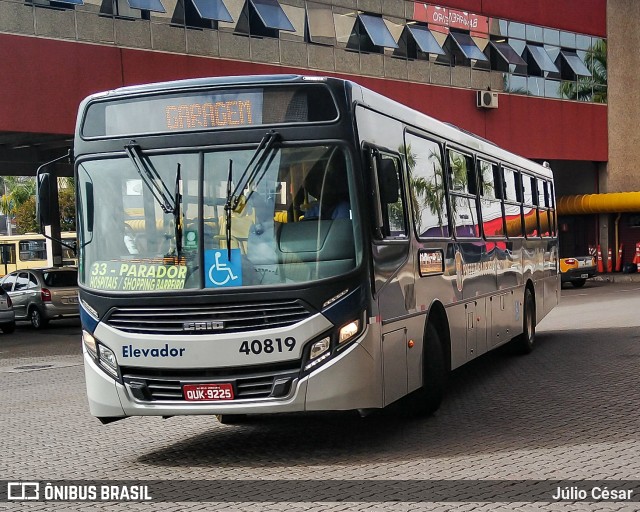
487 99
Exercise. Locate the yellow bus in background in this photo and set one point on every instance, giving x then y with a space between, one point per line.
30 251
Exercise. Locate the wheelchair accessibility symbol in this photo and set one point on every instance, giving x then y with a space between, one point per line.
220 271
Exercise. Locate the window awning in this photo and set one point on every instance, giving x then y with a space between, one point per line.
425 40
541 58
147 5
467 46
377 31
212 10
321 25
575 63
272 15
507 53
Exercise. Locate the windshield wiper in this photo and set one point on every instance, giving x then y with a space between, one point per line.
177 217
260 156
227 210
151 178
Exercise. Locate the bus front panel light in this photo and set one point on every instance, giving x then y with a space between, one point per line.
319 348
348 331
108 360
90 344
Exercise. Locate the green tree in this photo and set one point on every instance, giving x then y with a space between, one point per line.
590 88
67 201
20 202
15 191
25 215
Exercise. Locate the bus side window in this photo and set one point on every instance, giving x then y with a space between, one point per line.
512 207
491 210
529 210
389 184
462 184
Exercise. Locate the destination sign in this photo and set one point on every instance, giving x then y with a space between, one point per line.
172 113
186 111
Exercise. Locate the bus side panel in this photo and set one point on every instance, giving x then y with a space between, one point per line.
551 284
510 280
457 316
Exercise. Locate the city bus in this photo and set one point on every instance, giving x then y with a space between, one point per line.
19 252
273 244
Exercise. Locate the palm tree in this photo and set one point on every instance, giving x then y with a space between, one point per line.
591 88
17 190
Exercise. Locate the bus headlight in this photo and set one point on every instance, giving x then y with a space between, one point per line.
108 360
319 352
90 343
348 331
319 348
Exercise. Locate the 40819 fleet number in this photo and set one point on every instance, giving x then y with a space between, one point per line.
268 346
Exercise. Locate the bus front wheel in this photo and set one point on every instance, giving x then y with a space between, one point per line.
426 400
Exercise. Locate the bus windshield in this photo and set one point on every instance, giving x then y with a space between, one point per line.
296 221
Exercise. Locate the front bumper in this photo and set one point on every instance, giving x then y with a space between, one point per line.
350 380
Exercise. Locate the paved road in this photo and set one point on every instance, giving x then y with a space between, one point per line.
567 411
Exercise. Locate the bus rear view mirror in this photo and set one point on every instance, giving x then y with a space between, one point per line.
43 200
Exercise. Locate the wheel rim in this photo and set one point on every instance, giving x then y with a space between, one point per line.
35 318
529 322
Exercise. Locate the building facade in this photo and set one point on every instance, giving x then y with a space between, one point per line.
529 76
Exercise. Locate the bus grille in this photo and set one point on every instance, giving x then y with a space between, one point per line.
208 319
166 385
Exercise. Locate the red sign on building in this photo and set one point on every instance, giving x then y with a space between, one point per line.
440 19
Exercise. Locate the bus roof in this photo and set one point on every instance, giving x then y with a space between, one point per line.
365 96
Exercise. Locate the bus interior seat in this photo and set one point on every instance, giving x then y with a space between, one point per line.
328 184
313 250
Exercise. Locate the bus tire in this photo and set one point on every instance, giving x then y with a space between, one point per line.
578 283
37 319
426 400
523 344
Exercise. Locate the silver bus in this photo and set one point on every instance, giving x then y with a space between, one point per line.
268 244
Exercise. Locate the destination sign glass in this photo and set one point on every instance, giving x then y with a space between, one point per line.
208 110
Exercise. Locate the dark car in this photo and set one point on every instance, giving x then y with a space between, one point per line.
7 316
43 294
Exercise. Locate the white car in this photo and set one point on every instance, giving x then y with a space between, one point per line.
7 316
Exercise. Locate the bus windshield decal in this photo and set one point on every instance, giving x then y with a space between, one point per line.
136 276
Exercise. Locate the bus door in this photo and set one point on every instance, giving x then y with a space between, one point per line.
7 258
393 270
392 260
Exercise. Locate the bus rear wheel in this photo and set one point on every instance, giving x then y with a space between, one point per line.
426 400
523 344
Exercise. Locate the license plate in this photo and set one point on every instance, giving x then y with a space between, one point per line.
207 392
70 300
584 276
